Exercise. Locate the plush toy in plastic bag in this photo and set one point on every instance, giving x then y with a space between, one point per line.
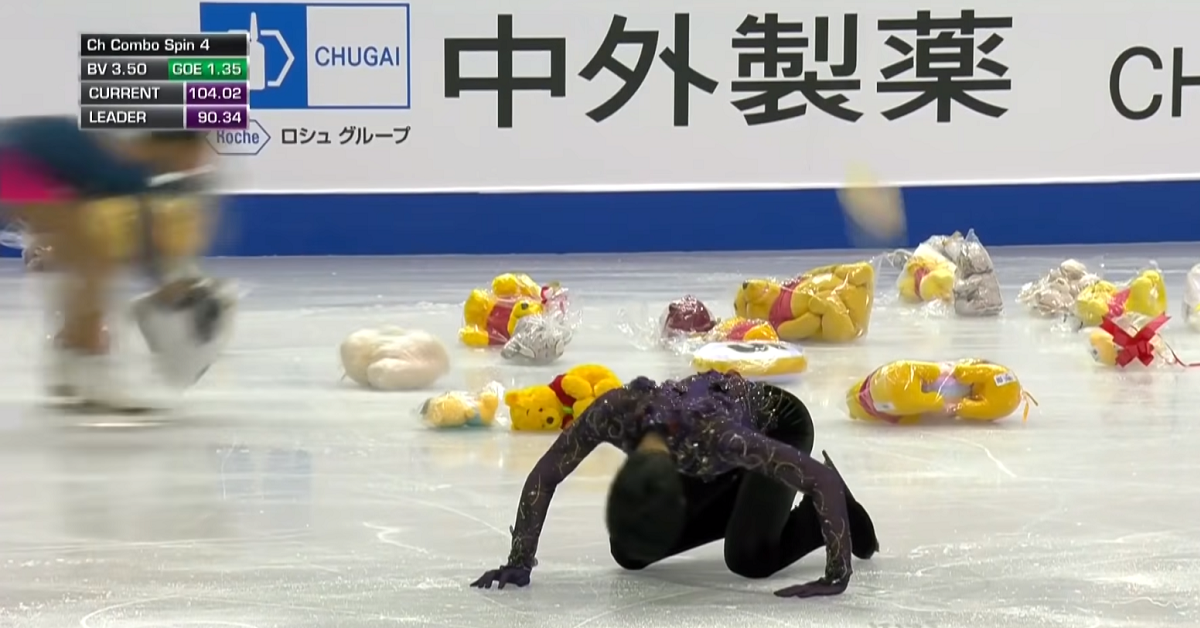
1145 294
928 272
187 331
830 304
976 287
1055 293
462 409
685 317
538 339
756 359
904 392
490 316
687 324
1131 338
391 358
1191 298
553 406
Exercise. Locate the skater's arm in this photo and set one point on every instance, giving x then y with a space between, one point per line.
572 446
755 452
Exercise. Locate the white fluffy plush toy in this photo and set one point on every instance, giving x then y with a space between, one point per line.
390 358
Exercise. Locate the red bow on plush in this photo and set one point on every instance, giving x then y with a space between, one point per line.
1138 346
1135 347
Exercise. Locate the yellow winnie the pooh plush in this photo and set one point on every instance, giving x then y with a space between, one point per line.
554 406
462 409
1146 294
831 303
927 276
490 316
904 392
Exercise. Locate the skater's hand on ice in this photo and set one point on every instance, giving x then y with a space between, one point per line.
516 576
818 588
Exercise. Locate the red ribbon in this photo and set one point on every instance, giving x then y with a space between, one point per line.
1116 305
1140 346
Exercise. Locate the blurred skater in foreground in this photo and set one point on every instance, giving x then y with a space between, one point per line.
103 202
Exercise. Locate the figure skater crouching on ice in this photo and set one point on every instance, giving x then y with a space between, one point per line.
100 202
712 456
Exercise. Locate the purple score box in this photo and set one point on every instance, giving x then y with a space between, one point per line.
216 117
216 94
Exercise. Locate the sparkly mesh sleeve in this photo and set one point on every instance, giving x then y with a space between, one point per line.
600 423
753 451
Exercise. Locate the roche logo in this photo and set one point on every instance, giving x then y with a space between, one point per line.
248 142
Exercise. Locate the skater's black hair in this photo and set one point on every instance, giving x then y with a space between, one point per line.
646 506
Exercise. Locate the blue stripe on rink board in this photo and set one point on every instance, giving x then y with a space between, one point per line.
625 222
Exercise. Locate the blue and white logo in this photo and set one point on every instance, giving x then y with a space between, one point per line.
249 142
321 56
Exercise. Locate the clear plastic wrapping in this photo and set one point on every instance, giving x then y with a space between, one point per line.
491 315
754 359
928 273
1132 339
950 269
687 324
906 392
827 304
538 339
1054 294
461 409
976 287
1191 298
1145 294
392 358
552 406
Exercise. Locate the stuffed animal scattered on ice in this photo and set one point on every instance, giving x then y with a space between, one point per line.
976 287
755 359
554 406
904 392
462 409
688 316
831 304
687 323
1055 293
1129 338
1191 298
928 272
1146 294
490 316
538 339
391 358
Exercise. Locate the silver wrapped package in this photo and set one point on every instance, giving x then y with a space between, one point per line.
976 288
539 339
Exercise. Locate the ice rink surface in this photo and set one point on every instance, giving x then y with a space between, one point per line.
280 497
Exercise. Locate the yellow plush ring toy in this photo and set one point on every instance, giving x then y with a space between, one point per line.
755 359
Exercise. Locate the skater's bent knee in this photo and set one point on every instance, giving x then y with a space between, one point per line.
628 563
749 564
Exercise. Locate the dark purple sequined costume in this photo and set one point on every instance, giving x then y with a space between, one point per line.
713 424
